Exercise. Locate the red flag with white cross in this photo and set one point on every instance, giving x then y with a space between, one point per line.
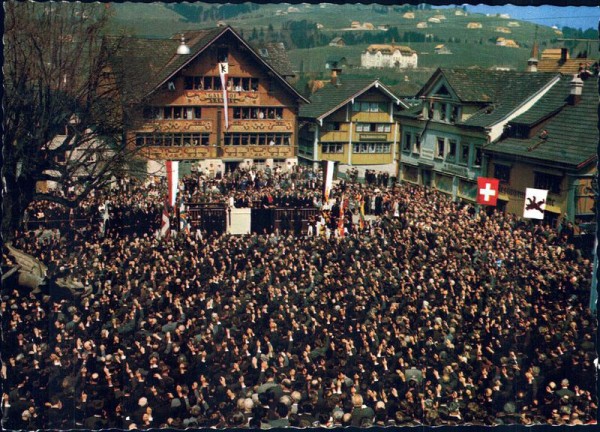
487 191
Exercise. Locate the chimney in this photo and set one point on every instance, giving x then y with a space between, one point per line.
576 90
532 63
564 54
334 75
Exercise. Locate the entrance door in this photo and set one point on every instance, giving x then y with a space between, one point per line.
426 176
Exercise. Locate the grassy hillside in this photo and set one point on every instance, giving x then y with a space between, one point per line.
470 47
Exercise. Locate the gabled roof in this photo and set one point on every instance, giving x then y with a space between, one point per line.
498 92
275 54
390 49
572 137
143 65
332 97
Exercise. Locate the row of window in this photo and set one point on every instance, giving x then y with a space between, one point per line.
257 113
372 148
374 107
171 139
173 112
360 127
214 83
541 180
195 112
238 139
443 111
373 127
446 149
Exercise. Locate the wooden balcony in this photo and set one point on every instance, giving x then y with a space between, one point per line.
262 125
258 152
172 126
179 153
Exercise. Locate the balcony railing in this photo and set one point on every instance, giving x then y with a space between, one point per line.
180 152
263 152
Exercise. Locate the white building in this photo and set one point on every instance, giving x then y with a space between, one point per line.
389 56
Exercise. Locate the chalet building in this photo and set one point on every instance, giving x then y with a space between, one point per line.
553 146
175 109
442 49
389 56
559 60
462 110
337 42
351 122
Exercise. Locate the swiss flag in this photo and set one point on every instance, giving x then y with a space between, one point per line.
487 191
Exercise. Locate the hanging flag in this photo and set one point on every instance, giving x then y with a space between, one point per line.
104 220
224 72
535 203
184 224
487 191
341 217
361 200
165 227
328 167
172 181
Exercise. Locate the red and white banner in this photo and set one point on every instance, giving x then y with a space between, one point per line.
172 181
328 167
165 227
224 72
487 191
535 203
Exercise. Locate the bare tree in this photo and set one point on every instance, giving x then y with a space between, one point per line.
62 115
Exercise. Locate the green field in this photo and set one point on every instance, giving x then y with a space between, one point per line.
469 47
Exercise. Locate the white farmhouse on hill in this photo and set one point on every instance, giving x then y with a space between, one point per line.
389 56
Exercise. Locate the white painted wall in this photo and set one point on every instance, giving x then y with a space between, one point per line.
379 59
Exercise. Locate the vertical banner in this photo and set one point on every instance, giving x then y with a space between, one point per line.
172 180
487 191
165 224
328 167
535 203
341 217
184 224
224 71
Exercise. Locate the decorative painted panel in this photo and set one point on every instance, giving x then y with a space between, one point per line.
261 126
178 153
256 152
177 126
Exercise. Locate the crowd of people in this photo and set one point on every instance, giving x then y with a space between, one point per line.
431 313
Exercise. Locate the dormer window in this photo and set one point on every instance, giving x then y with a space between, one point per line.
455 113
442 109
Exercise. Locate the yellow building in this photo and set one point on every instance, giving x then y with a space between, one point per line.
174 98
351 122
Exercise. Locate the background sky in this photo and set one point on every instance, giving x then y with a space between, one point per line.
561 16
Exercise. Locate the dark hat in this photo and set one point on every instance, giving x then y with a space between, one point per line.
510 408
